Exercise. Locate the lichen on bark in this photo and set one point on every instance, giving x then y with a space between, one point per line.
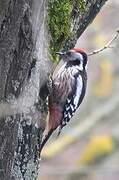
60 22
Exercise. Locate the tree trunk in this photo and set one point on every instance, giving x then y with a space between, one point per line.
21 57
23 74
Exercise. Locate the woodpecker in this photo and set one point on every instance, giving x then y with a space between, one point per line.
68 90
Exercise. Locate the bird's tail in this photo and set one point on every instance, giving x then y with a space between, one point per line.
45 139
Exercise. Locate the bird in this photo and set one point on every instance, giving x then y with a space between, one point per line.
68 89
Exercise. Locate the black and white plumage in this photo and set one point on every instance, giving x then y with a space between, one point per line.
75 98
69 86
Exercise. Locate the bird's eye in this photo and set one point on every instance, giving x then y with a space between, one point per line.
68 53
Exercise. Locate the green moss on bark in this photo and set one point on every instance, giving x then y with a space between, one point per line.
59 21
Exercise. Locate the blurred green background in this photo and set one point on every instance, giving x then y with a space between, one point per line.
88 148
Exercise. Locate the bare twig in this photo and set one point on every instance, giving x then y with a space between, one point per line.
107 46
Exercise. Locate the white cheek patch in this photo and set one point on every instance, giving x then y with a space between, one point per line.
78 56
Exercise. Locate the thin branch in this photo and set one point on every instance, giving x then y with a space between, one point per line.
107 46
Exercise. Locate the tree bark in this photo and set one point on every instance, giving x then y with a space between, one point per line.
21 57
82 19
23 75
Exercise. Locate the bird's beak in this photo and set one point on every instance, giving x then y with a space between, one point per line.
61 53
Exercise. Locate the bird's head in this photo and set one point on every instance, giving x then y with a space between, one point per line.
75 56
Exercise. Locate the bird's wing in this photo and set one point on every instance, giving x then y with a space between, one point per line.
73 100
69 90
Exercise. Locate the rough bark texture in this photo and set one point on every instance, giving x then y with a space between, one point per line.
22 74
19 136
81 19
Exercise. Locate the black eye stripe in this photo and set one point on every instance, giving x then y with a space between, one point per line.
78 60
68 53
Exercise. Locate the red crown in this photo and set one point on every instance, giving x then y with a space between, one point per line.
78 49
